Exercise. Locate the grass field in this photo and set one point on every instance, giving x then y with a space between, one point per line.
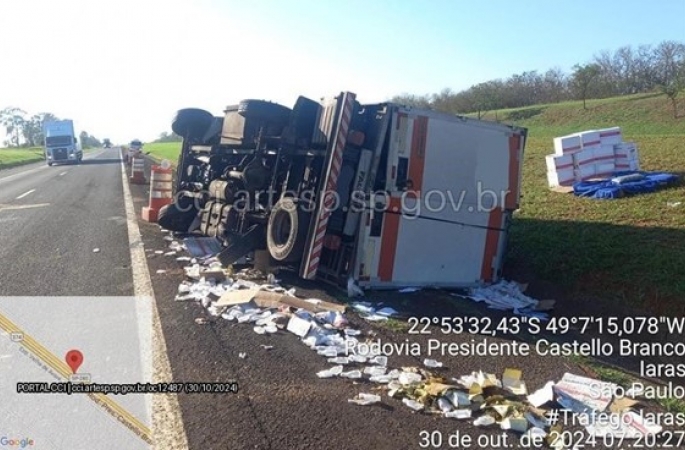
629 251
164 150
11 157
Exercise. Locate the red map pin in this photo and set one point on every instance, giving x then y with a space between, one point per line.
74 359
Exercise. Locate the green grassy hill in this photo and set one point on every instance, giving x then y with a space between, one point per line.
628 251
161 151
11 157
641 114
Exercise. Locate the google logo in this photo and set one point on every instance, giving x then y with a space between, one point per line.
21 443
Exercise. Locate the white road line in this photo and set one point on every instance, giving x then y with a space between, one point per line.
146 312
62 174
26 193
23 173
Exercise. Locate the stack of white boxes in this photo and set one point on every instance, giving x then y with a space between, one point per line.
590 154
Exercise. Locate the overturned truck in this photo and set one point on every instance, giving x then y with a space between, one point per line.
383 194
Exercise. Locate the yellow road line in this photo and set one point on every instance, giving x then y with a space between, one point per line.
112 407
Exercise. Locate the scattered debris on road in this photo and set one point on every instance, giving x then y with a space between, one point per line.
508 295
483 398
96 250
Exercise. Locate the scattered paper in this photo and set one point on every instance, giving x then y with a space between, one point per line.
409 290
353 290
519 424
542 395
365 399
459 414
299 327
506 295
413 404
330 373
580 393
484 421
511 381
432 363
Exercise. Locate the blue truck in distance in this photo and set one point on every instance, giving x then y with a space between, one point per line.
61 145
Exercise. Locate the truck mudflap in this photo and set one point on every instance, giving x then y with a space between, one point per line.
241 245
328 187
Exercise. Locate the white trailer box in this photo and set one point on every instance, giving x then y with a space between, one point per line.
583 157
585 171
567 144
450 228
604 153
589 140
626 151
562 177
556 163
611 136
623 165
605 168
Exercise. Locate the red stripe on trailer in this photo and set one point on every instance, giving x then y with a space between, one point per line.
511 197
487 272
330 189
417 156
391 228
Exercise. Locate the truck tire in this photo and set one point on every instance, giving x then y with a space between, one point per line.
178 216
261 110
286 231
192 123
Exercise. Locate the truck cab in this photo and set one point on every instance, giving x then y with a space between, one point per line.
61 145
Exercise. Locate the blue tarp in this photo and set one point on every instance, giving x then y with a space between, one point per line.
644 182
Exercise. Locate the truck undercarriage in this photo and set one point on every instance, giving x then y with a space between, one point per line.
297 182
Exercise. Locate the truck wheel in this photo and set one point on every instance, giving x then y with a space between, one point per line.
286 232
50 164
192 122
264 111
177 216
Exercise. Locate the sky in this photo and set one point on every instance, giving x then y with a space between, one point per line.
121 69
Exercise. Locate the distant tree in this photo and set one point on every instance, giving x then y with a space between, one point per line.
415 101
88 141
83 139
627 70
582 78
33 131
168 137
671 70
12 119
